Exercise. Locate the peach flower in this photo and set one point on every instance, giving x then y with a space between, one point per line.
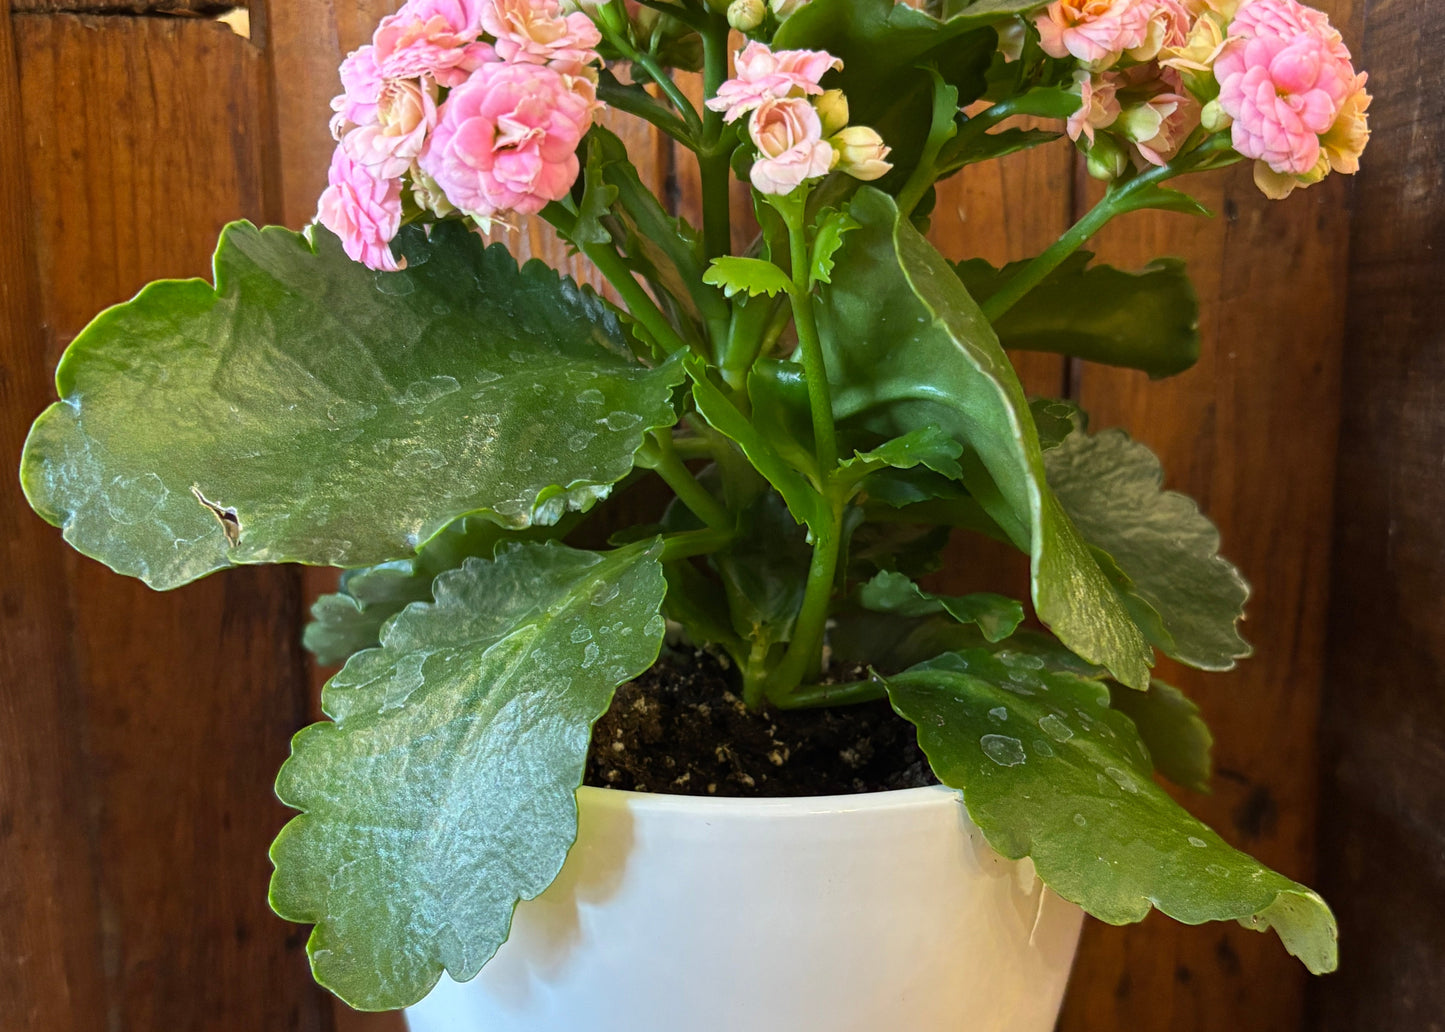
1096 32
438 38
764 74
537 32
405 114
791 148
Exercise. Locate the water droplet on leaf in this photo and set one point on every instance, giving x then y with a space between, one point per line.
1003 750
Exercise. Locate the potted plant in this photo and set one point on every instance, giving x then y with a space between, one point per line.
826 407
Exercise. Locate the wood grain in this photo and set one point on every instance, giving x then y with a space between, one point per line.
1250 432
1382 830
183 8
183 703
49 949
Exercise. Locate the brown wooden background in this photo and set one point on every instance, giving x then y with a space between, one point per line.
139 733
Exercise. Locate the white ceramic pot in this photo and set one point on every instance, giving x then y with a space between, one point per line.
862 913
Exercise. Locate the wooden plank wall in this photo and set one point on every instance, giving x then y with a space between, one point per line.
139 733
1382 798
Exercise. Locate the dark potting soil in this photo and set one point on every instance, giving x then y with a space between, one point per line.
679 729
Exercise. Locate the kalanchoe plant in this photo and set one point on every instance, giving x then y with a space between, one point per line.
387 394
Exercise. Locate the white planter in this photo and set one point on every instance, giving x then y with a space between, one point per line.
865 913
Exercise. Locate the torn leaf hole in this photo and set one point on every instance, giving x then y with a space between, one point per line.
230 522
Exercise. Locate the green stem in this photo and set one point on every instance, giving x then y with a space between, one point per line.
804 653
614 94
755 675
1117 201
820 398
661 457
639 302
818 696
693 543
670 89
715 159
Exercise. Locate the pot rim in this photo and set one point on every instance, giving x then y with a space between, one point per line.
660 804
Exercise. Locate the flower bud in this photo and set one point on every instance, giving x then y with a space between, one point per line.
783 8
429 196
1107 159
861 153
833 110
1213 118
746 15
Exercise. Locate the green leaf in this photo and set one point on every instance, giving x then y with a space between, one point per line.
1056 419
928 446
914 549
765 570
1178 738
778 392
751 276
310 410
883 46
1145 320
351 620
879 38
1049 771
805 503
1111 487
442 794
908 348
664 249
1160 198
995 615
832 225
973 149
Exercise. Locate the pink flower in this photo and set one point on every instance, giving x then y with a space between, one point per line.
1096 32
1283 78
362 209
437 38
1287 19
536 32
361 90
1167 25
764 74
406 112
791 148
1099 107
507 139
1159 126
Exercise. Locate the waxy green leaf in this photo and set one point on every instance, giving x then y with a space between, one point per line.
832 225
883 46
310 410
928 446
1145 320
909 348
751 276
1167 550
351 619
1049 771
442 792
996 616
1178 738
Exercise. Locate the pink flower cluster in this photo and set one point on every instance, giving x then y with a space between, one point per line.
1153 71
470 105
1297 104
1133 104
797 138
